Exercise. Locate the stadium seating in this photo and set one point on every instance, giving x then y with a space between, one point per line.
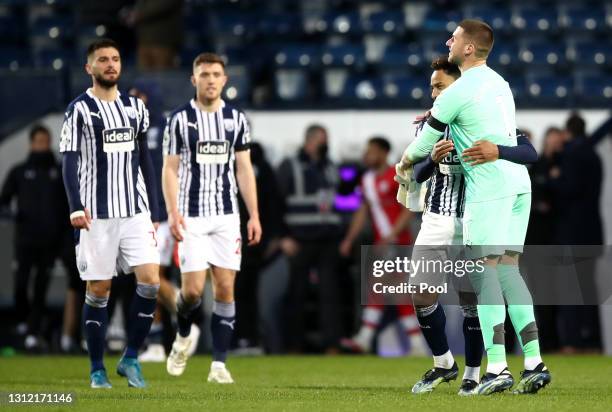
557 91
322 51
385 22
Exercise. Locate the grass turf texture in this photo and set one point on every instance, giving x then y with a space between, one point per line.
304 383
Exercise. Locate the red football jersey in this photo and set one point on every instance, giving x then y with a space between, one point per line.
380 191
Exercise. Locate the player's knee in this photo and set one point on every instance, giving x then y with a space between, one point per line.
191 294
424 299
225 295
99 288
184 306
150 277
510 258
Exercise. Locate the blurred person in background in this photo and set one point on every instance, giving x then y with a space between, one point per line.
576 185
542 224
250 305
390 221
36 185
159 29
308 182
540 231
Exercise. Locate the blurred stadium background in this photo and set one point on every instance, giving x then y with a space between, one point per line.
358 67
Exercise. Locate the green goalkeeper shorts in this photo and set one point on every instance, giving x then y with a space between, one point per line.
495 226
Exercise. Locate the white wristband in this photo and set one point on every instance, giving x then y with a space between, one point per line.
78 213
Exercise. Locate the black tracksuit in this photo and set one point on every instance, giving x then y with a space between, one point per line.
36 184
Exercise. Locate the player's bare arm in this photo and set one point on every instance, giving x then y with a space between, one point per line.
248 189
170 189
358 221
399 226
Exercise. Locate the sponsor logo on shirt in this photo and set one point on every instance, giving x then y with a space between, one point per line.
118 140
212 152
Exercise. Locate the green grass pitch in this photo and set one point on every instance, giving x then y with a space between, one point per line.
313 383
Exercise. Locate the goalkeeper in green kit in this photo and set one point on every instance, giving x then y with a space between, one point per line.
480 105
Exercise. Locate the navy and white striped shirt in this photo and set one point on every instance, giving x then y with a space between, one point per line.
206 143
106 135
446 187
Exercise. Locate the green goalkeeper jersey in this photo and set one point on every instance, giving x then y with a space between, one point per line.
477 106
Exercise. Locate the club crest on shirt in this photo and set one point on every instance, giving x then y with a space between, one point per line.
229 125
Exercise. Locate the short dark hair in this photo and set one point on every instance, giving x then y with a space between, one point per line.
39 128
312 129
481 34
442 63
208 58
575 125
381 142
552 129
101 44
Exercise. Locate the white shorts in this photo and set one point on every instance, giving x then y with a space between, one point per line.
213 240
165 244
125 242
440 230
437 232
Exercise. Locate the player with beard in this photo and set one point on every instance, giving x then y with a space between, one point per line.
110 185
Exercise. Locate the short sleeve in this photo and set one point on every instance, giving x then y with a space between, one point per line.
172 142
72 130
243 138
448 104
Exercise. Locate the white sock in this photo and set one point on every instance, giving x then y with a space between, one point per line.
181 339
496 367
472 373
410 323
372 316
532 362
66 343
365 335
445 361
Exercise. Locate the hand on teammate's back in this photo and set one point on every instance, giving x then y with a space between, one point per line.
254 231
176 221
482 151
441 149
82 221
